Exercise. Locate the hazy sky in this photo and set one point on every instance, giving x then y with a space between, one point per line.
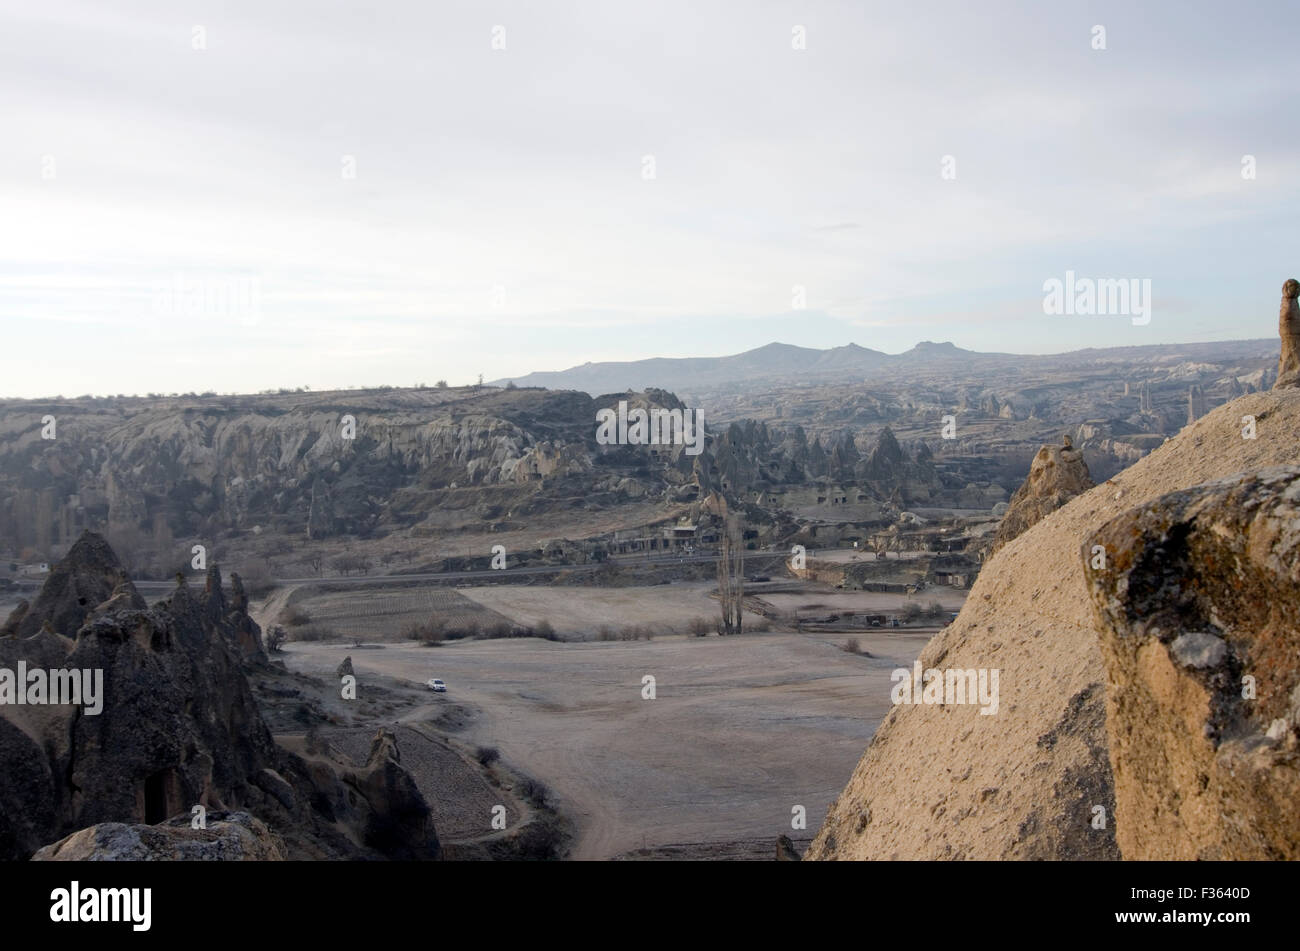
401 202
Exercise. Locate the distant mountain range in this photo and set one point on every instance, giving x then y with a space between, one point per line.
783 362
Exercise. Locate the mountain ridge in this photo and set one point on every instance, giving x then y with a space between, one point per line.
783 361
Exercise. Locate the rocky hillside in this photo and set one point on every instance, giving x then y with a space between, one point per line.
1034 780
158 476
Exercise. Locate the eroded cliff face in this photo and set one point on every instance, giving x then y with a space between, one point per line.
1198 606
322 460
176 726
150 473
947 782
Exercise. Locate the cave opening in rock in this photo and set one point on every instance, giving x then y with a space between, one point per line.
159 796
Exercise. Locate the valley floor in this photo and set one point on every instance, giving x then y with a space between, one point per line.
740 731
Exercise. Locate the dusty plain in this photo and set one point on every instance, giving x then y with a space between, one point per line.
740 730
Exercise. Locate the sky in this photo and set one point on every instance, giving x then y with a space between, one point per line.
239 196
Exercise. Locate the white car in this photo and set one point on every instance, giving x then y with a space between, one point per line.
437 686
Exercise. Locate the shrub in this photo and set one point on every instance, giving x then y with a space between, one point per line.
433 631
851 646
535 791
487 755
700 626
544 630
275 638
911 611
935 609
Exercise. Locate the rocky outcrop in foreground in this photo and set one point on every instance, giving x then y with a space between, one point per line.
228 837
1198 604
179 728
946 782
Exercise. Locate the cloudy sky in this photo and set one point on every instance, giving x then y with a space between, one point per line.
235 196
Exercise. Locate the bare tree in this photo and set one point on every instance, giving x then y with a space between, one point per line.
731 574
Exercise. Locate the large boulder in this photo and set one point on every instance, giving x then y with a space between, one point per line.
1198 604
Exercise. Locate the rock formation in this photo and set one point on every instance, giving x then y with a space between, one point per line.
1199 608
948 782
1057 474
1195 403
398 822
785 850
1288 328
226 837
179 728
75 589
